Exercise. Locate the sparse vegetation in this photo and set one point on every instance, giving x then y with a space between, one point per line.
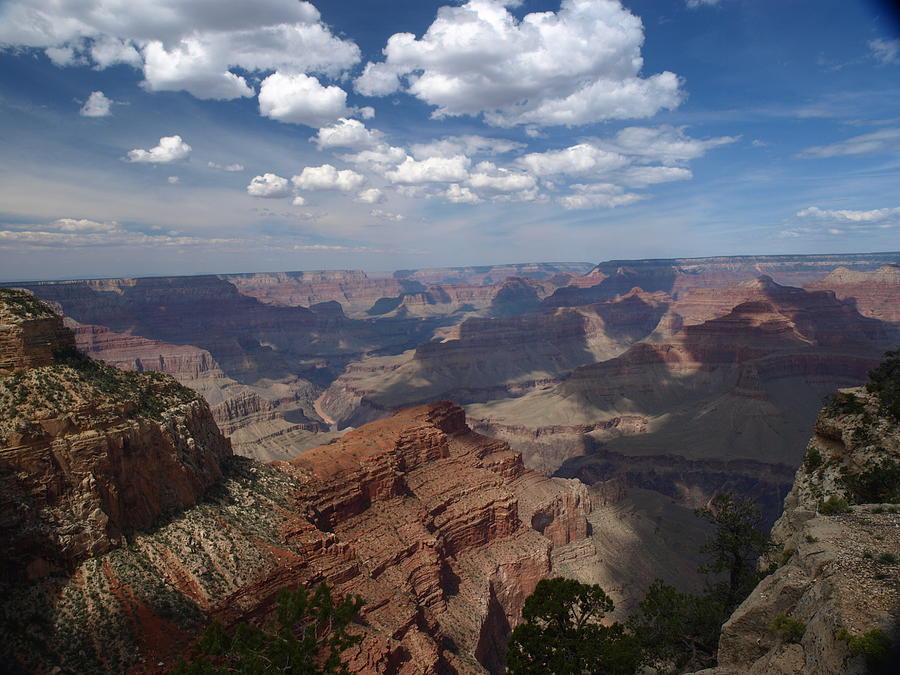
85 391
307 637
844 403
887 559
874 645
878 484
833 506
21 304
884 382
788 629
812 460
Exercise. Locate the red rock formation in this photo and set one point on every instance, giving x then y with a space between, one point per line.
90 454
353 289
437 527
679 275
874 294
30 334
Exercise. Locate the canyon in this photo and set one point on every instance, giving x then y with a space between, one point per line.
133 524
590 414
687 376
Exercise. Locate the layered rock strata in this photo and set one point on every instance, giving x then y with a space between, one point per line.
89 453
873 293
442 531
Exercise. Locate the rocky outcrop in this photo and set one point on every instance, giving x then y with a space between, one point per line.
258 412
836 568
872 293
678 276
353 289
89 453
442 531
30 332
493 358
487 275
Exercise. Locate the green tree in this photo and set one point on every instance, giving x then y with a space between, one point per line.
677 631
562 633
738 543
884 382
307 637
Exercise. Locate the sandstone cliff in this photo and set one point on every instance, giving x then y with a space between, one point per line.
442 531
88 453
839 565
873 293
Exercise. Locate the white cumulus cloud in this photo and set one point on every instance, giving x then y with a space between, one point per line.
170 149
666 144
461 195
883 140
190 45
598 195
469 144
301 99
370 196
347 133
386 215
326 177
97 105
577 159
851 216
579 65
817 221
431 170
269 185
487 176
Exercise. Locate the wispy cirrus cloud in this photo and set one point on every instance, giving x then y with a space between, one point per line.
815 220
877 142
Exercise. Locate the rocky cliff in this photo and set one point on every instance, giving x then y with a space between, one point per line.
353 289
678 276
837 554
88 453
442 531
873 293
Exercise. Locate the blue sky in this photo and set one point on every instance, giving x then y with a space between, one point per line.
197 136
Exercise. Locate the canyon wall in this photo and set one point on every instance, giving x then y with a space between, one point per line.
442 531
89 453
836 575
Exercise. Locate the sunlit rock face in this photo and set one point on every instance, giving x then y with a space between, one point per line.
442 531
89 453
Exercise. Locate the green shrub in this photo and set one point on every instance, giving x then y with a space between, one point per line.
833 506
785 556
844 403
887 559
884 382
788 629
879 484
812 460
874 645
